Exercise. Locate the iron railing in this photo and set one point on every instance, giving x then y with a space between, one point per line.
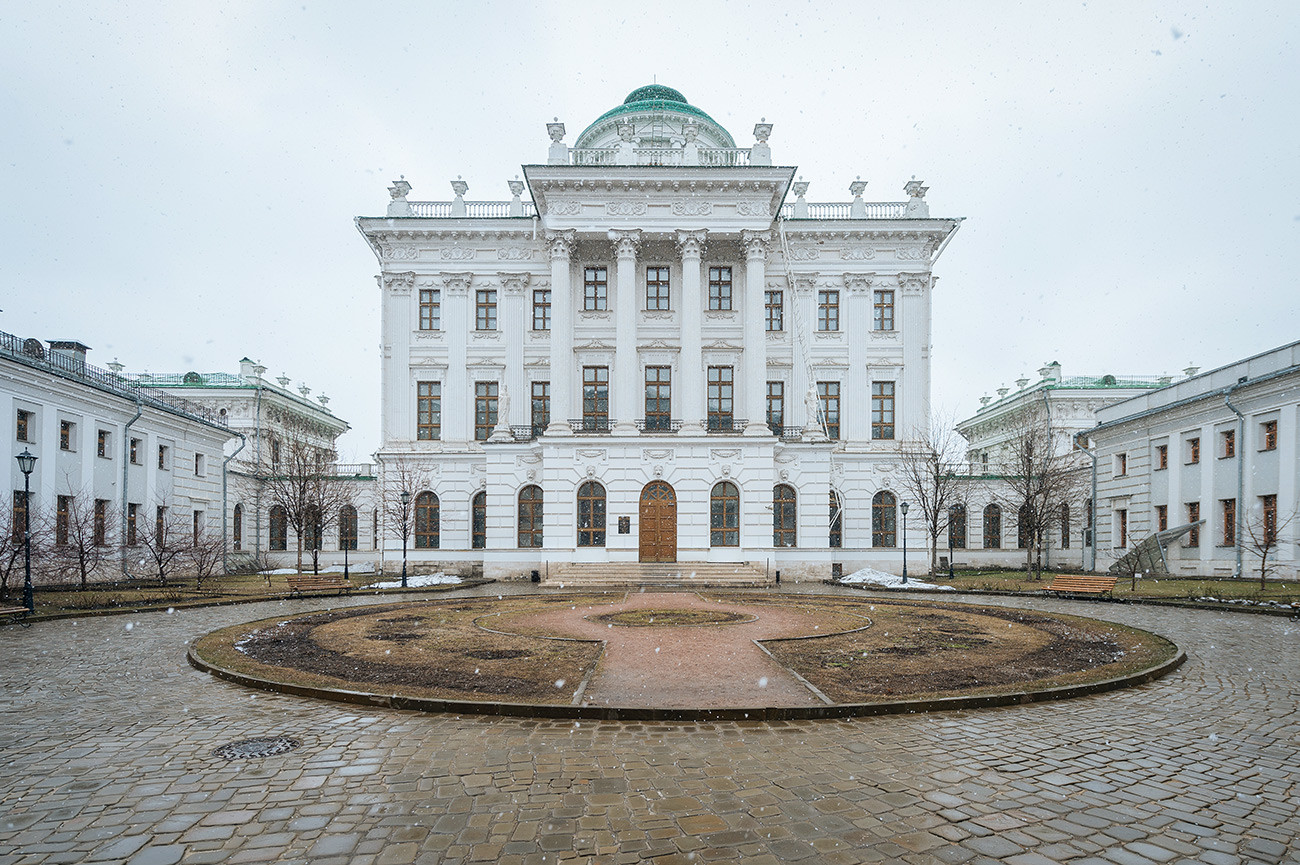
34 354
592 425
725 425
658 424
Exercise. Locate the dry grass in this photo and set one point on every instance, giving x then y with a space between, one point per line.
1162 588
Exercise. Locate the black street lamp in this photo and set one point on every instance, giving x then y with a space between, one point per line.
950 545
406 529
26 464
348 537
903 508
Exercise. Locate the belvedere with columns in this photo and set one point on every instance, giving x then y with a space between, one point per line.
527 343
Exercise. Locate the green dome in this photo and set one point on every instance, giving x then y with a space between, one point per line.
655 91
654 99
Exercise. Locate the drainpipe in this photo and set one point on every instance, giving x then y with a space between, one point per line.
257 490
1092 529
1045 541
126 468
1241 467
225 513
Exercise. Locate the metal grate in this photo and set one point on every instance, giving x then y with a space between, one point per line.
249 749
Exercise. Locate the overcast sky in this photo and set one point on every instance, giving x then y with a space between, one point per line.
179 179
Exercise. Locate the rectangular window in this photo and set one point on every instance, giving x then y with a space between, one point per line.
20 517
1193 451
24 425
1121 465
882 409
658 398
1228 507
1162 517
1268 508
67 435
198 465
828 310
485 409
776 407
160 526
1162 457
1228 444
883 312
656 288
540 410
595 288
828 394
719 288
1193 516
162 457
595 398
198 526
1268 435
135 452
102 443
1121 528
485 309
428 410
541 309
61 520
132 514
721 405
775 310
430 309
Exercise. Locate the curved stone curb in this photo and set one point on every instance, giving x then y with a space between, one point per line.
637 713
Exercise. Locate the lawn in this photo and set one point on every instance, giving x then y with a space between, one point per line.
1166 588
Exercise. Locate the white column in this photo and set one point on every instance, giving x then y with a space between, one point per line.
691 361
754 387
909 396
625 405
855 392
560 244
802 323
512 401
396 340
457 396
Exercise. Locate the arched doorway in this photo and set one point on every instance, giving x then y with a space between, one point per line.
658 523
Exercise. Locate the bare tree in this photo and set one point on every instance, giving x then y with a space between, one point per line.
13 541
205 555
1263 529
167 543
83 536
933 475
306 485
1038 478
399 516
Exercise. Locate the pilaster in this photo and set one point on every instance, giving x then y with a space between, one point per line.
754 386
396 340
855 399
910 403
691 363
624 394
560 246
457 401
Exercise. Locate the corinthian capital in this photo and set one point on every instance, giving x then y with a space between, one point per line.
691 243
625 242
399 281
756 243
560 244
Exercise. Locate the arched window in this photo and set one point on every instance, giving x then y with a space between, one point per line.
957 527
478 521
530 517
837 520
591 515
237 531
427 524
1065 527
311 528
1024 527
884 520
279 530
347 528
724 515
992 527
784 516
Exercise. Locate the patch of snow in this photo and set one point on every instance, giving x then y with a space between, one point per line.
418 581
353 568
874 577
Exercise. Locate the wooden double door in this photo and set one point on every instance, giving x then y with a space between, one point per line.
657 525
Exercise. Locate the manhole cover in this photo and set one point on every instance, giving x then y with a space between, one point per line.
247 749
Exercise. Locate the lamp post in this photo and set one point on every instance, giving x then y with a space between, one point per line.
903 508
348 538
950 545
406 529
26 463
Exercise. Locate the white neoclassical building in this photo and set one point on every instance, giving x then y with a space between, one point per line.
654 352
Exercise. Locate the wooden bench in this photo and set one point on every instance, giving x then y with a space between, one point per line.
17 614
1082 584
302 583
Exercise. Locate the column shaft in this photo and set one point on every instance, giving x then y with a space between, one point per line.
561 246
625 404
754 388
691 362
457 393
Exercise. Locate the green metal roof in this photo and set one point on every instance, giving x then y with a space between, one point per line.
654 97
1102 382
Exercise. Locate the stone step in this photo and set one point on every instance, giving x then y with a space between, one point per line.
666 574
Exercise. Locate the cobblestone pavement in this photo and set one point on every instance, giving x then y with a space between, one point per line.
106 739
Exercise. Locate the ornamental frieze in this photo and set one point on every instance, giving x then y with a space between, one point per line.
753 208
625 208
858 253
564 208
515 253
456 253
692 207
803 253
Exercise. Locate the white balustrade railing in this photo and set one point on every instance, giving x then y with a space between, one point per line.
816 210
710 156
473 209
844 210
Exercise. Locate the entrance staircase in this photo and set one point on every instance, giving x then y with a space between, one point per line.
678 575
